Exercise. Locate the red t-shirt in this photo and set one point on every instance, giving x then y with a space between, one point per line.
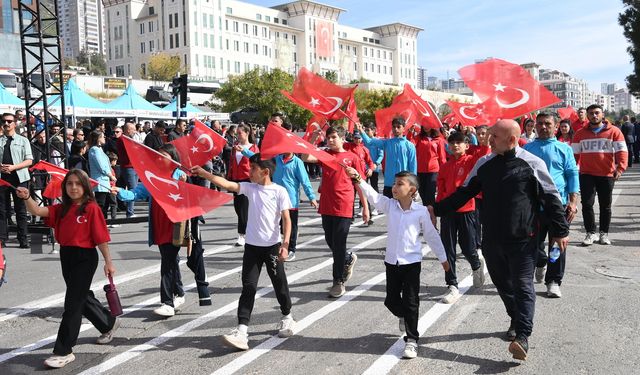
453 174
337 190
162 226
87 230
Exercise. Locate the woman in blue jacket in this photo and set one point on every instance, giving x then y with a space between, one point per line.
100 169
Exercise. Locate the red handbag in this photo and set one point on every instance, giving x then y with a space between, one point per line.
112 298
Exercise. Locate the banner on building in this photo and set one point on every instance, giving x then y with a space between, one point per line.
324 38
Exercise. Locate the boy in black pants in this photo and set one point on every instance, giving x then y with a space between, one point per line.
268 203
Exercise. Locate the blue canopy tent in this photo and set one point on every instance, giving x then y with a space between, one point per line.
190 109
7 99
131 101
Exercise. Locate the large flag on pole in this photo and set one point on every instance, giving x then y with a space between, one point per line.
425 115
56 174
179 200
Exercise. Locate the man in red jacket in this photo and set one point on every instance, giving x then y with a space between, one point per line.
601 154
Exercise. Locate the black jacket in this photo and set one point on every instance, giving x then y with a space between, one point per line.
154 141
516 189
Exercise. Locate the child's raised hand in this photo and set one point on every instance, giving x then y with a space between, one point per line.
197 171
22 193
445 266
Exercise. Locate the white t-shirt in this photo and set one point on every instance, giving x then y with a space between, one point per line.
266 203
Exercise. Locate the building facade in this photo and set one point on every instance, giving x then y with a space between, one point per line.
218 38
572 91
82 27
624 100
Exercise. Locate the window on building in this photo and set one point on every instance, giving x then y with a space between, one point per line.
276 20
142 45
295 57
205 40
293 38
152 11
227 43
255 30
229 10
246 47
142 28
176 39
255 49
212 43
267 18
236 45
378 53
211 21
175 19
245 28
355 66
236 27
150 26
366 53
204 20
258 17
170 22
197 59
265 50
385 69
170 40
366 67
226 25
265 34
152 46
284 22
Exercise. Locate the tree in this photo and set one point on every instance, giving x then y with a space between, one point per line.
369 101
360 80
629 19
331 76
261 90
163 67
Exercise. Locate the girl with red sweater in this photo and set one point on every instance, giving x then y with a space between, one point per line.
239 168
79 227
431 154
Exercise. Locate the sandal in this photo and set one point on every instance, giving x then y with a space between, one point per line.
59 361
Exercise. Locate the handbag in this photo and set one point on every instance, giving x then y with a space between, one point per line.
112 298
181 234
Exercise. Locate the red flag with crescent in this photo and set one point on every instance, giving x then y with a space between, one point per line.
425 115
316 94
200 146
278 140
5 183
407 110
352 114
470 114
568 113
506 89
56 174
316 123
324 38
179 200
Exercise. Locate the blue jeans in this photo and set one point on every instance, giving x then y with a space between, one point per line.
130 181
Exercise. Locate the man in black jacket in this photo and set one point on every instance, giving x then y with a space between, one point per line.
516 187
154 139
628 130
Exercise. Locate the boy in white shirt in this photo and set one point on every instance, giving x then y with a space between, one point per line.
268 203
403 255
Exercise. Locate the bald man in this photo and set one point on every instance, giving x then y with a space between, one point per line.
516 187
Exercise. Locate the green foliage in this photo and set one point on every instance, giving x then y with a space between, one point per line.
331 76
261 90
369 101
629 19
95 63
163 67
360 80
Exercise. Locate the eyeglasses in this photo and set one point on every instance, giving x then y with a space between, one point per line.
118 131
7 121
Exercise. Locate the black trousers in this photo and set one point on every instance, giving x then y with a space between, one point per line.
636 150
511 269
427 187
555 271
195 262
373 180
20 207
170 278
630 154
252 260
459 228
241 206
78 267
293 240
478 212
336 231
403 288
590 186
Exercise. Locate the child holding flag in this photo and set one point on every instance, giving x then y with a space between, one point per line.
403 255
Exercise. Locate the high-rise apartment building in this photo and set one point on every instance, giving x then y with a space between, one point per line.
82 27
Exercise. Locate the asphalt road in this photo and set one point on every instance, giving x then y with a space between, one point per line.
592 329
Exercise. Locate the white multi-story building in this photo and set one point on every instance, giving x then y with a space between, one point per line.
82 27
218 38
624 100
573 91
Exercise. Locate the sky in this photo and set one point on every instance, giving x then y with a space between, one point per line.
579 37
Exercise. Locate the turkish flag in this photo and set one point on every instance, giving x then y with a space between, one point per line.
324 38
179 200
5 183
316 122
451 118
352 113
407 110
470 114
507 90
316 94
425 115
56 174
278 140
200 146
568 113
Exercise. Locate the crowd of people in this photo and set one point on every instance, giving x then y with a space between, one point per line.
505 194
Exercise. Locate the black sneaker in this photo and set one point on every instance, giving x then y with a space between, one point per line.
511 332
519 348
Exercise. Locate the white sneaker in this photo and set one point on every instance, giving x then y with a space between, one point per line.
237 339
589 239
291 256
374 212
177 302
106 338
478 275
240 241
553 290
337 290
540 272
401 325
165 310
358 214
452 295
59 361
285 327
410 349
604 239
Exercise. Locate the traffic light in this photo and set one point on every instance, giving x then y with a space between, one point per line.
183 90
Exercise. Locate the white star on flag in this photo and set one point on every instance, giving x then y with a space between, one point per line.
175 197
314 102
194 149
289 135
301 144
500 87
